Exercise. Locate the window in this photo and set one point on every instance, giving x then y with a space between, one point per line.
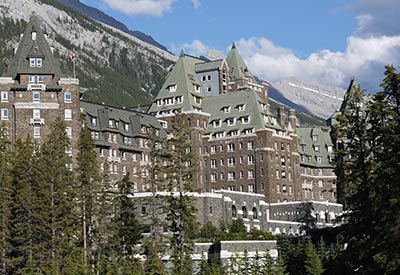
248 131
38 62
231 176
40 79
169 101
244 211
36 113
209 89
4 96
213 163
329 147
93 121
213 149
126 127
172 88
36 96
68 114
241 107
278 188
250 159
32 79
231 147
250 174
209 77
250 145
255 213
4 114
221 176
234 212
203 78
315 138
246 119
68 131
217 123
95 136
36 132
213 177
231 162
320 183
316 148
277 174
32 62
67 96
179 99
226 109
230 121
319 160
219 135
241 174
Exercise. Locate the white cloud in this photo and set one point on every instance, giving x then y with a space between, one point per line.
196 4
364 59
377 18
141 7
196 48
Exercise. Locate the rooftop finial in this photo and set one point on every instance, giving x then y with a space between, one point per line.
182 54
233 45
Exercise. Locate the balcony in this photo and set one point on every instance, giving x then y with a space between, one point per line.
34 86
36 122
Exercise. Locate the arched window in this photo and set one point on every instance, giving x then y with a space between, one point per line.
244 210
234 212
255 213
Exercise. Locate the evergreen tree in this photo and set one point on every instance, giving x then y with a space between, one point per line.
267 264
280 266
89 181
23 179
180 206
313 265
56 227
5 203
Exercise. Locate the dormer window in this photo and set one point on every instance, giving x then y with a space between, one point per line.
39 62
36 96
172 88
32 62
34 35
315 138
226 109
179 99
217 123
230 121
197 88
246 119
241 107
169 101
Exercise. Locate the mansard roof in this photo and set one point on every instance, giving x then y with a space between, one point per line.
237 67
181 82
314 142
32 46
245 108
208 65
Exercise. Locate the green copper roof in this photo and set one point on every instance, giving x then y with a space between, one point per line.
181 83
242 109
208 65
238 68
34 48
314 143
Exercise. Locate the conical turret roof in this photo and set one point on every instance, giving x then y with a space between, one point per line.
237 66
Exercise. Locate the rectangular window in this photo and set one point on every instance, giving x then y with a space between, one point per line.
32 79
250 145
36 132
68 114
213 163
251 188
40 79
213 177
126 127
231 176
250 174
36 113
4 96
231 147
231 162
67 96
32 62
4 114
39 62
94 121
36 96
250 160
68 130
246 119
230 121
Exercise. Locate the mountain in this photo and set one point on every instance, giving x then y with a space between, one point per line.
106 19
314 99
112 66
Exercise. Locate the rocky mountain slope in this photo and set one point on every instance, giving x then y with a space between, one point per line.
106 19
319 100
112 66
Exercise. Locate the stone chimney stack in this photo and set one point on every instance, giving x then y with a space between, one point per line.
282 117
292 119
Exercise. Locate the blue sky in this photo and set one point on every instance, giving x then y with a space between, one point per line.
320 41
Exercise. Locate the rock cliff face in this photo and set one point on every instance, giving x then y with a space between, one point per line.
113 66
319 100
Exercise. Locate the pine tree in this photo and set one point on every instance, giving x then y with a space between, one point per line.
89 186
313 265
181 209
55 213
280 266
5 203
267 264
23 179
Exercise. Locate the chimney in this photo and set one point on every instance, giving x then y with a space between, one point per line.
282 117
292 119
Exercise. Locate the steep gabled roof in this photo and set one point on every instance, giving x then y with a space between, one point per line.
34 48
183 77
237 67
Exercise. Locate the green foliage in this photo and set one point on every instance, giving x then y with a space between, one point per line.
312 264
